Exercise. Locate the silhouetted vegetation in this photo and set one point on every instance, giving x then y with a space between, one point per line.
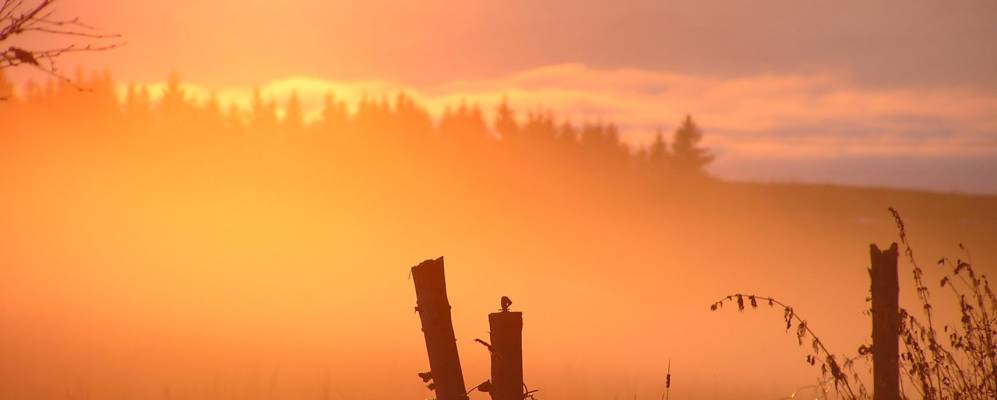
963 368
841 373
377 126
53 36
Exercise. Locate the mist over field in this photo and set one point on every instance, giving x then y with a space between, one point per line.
249 233
171 250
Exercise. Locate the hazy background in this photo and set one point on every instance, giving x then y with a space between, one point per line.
185 262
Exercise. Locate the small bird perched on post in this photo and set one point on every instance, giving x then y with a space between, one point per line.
23 55
505 303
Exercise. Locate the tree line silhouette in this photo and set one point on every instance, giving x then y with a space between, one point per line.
383 128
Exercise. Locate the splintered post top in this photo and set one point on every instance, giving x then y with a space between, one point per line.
430 282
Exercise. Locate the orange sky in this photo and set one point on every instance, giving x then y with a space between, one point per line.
890 93
251 269
245 42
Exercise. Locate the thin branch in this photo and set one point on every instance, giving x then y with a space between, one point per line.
38 20
71 33
803 329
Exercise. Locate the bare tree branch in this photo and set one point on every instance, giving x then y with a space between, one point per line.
37 20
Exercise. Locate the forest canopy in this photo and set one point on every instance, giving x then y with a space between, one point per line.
372 123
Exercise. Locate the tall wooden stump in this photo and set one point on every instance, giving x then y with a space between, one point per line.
885 323
507 355
437 326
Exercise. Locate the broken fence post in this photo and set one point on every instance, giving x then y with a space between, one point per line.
885 323
507 355
437 326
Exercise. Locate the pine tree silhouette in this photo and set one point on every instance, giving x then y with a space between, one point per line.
689 158
294 119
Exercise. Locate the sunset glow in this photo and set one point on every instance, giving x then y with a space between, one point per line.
226 201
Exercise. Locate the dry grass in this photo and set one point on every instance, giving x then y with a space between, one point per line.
963 365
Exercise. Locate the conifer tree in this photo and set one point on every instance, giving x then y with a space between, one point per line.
174 98
505 123
657 152
688 156
334 115
294 119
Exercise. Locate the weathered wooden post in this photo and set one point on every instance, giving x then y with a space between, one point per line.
507 353
885 323
441 344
